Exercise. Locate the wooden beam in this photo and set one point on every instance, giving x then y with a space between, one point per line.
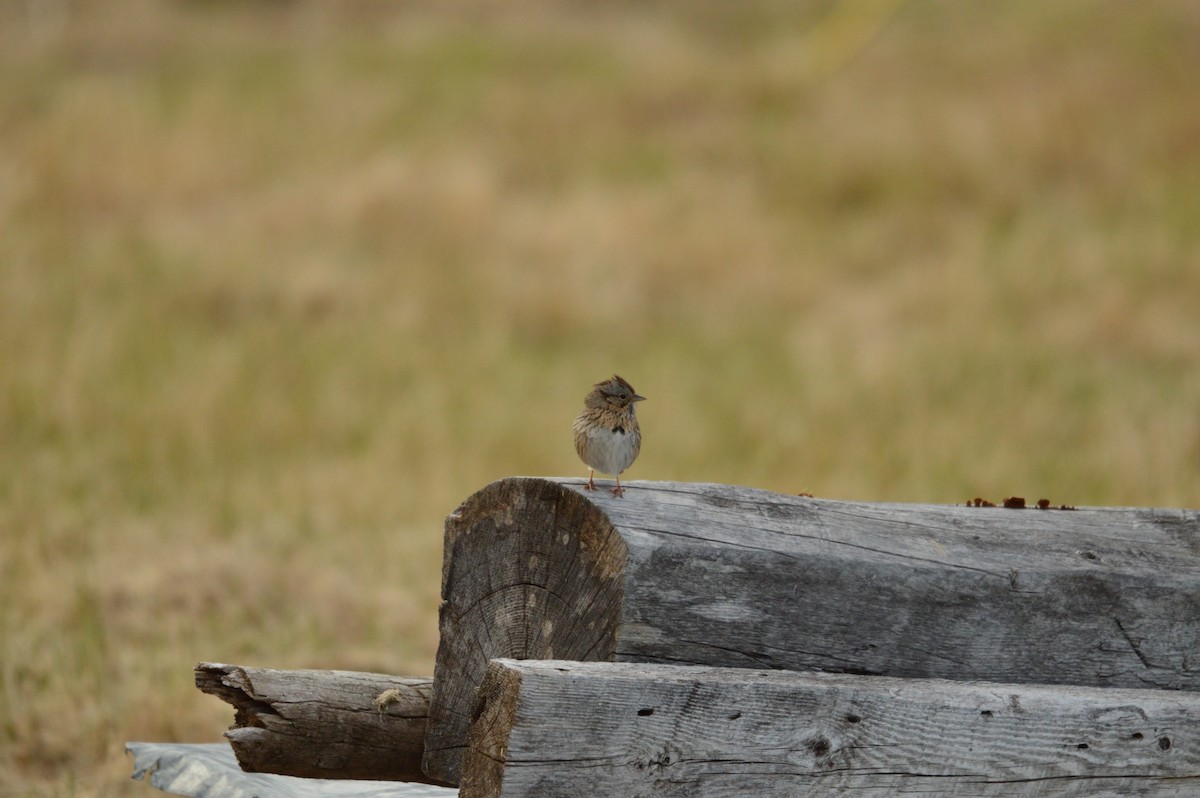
548 729
323 724
728 576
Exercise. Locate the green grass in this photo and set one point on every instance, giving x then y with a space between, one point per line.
282 283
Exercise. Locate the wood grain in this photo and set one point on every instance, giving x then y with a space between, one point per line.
729 576
323 724
634 730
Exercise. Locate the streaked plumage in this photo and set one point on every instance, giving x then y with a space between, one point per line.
607 436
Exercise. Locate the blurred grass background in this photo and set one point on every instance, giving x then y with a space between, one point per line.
283 282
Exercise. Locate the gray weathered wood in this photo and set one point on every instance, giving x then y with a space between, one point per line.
209 770
729 576
552 729
323 724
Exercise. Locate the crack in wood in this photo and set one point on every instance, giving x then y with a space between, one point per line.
1135 647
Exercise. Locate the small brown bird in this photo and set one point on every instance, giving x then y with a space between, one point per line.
607 435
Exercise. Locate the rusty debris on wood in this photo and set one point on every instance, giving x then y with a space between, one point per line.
1018 503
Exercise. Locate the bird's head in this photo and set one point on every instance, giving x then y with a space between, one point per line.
615 393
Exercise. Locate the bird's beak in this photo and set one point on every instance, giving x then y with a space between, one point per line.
637 398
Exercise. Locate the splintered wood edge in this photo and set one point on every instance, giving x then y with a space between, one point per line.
487 741
214 678
231 684
248 733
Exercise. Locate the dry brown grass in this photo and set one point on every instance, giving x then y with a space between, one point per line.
283 282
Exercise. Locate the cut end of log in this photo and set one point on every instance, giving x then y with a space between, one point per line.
537 572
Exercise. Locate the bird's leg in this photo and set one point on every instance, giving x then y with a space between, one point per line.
618 490
591 485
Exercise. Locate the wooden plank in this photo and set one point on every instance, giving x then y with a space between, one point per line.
729 576
209 770
548 729
323 724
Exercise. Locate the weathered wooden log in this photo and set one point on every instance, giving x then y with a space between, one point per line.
323 724
729 576
548 729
